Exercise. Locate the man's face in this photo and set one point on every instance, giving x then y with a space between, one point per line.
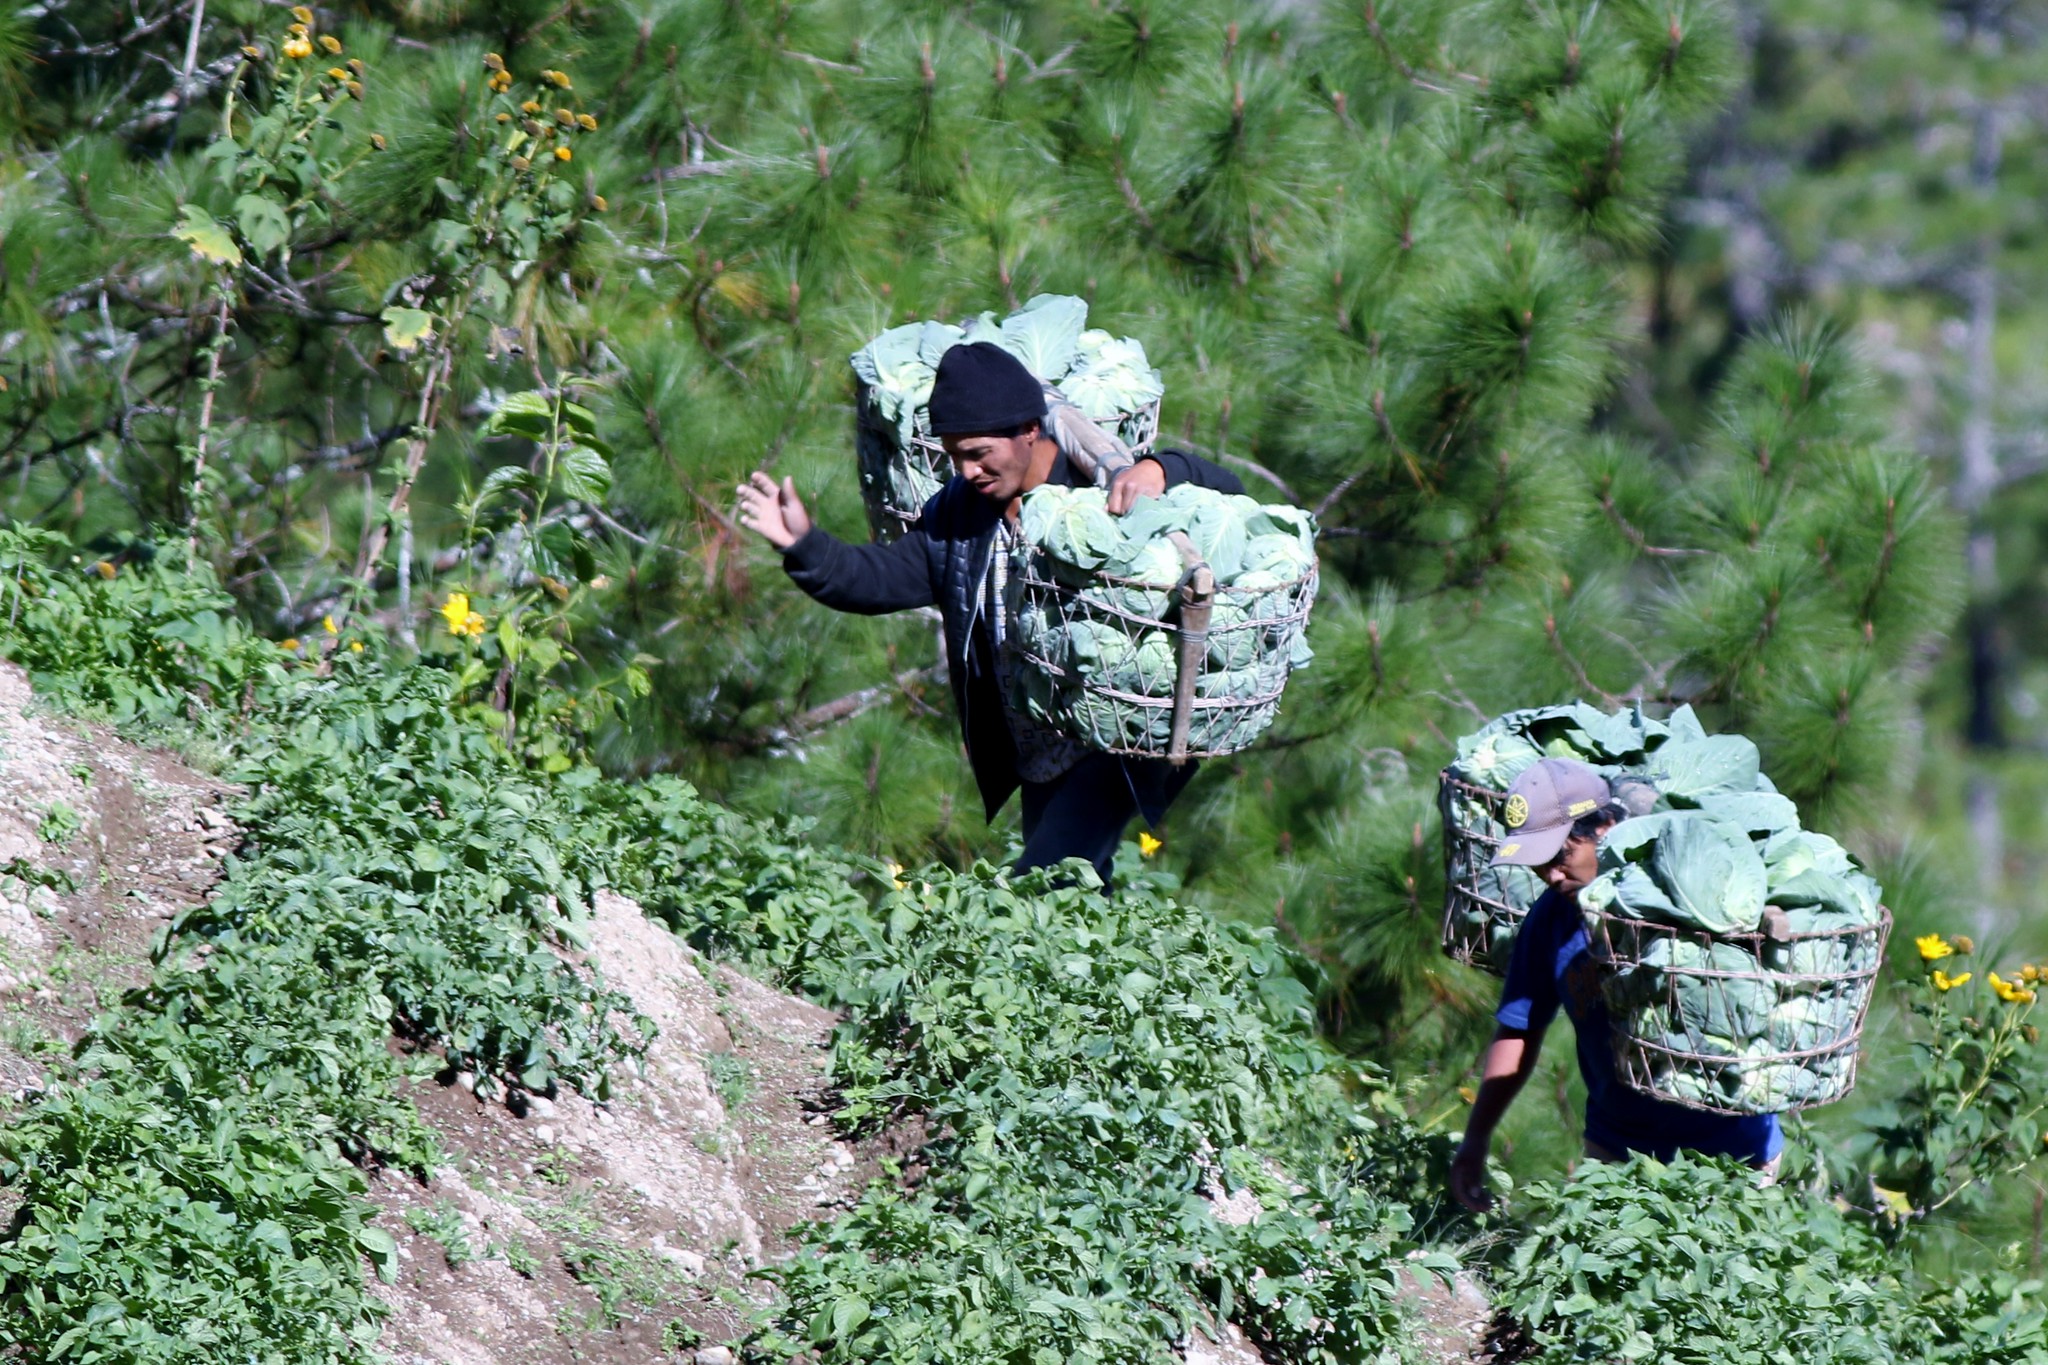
1575 865
998 466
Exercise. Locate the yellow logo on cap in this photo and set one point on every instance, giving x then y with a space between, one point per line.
1517 812
1581 807
1509 850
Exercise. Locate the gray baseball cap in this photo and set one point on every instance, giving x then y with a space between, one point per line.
1542 805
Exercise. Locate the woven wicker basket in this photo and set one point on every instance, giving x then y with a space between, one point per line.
892 475
1483 905
1185 711
1728 977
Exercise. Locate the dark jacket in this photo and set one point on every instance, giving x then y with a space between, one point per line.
941 561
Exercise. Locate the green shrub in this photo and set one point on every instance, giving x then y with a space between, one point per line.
1695 1264
1083 1063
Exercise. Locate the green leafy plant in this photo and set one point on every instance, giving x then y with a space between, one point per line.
58 824
442 1225
1972 1111
1698 1262
1084 1060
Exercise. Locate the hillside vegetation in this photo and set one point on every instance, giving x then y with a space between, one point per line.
373 385
190 1174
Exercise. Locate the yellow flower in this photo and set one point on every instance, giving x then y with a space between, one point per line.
586 123
565 118
896 875
500 81
493 62
327 624
339 73
248 51
296 30
1965 944
2030 973
104 568
2011 992
563 153
289 644
302 14
1944 982
298 48
377 141
558 78
355 646
1933 947
597 201
331 43
461 620
520 163
355 64
504 118
530 107
1147 845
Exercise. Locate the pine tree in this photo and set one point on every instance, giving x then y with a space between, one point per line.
1385 256
1880 162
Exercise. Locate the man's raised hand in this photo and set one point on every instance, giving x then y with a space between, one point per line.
775 511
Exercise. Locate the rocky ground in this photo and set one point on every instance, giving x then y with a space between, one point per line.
562 1230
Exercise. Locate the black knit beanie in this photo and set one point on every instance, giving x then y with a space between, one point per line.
981 389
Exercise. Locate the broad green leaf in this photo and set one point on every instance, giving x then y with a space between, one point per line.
584 474
263 223
208 239
526 413
406 329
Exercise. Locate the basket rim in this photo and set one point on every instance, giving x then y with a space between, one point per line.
1881 926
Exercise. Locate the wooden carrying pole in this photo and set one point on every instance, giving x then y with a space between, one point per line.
1197 597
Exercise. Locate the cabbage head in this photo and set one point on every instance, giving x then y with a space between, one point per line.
1110 377
1045 334
1233 643
1719 1007
1689 771
898 377
1805 1022
1711 874
1775 1087
1154 665
1072 525
1494 758
1755 812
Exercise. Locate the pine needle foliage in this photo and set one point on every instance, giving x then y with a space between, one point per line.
1381 253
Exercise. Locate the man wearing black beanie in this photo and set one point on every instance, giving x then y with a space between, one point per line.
989 411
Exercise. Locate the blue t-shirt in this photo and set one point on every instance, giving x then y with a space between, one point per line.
1551 967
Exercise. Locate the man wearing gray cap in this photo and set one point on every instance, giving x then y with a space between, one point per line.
1555 814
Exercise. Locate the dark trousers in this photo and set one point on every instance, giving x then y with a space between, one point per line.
1083 812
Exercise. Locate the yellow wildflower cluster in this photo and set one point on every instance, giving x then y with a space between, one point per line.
1933 947
461 620
1148 845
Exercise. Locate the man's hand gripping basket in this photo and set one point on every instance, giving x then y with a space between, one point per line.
1755 1023
1189 669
